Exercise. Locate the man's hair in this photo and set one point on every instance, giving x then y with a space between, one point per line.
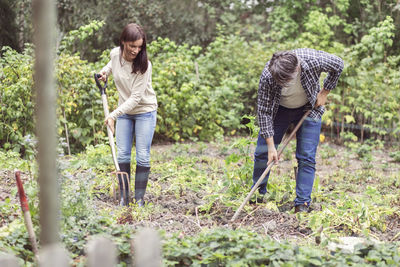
283 66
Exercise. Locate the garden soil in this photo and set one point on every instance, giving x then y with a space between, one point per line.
181 215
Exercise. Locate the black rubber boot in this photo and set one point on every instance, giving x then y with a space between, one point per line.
141 178
125 167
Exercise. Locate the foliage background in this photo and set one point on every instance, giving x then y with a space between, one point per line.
207 57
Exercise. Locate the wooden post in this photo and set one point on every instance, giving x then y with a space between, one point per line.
21 25
8 261
147 249
101 252
53 255
44 21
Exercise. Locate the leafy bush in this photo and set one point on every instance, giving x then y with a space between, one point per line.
203 93
186 108
79 109
198 94
16 96
222 247
369 87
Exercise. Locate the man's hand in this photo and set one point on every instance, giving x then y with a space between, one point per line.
321 97
110 122
272 153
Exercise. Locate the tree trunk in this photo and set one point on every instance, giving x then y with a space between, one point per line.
362 129
44 22
66 131
21 25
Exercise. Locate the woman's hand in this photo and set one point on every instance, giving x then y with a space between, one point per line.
110 123
103 76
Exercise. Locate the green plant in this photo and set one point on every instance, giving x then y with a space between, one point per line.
203 93
365 152
16 98
239 164
395 155
326 152
223 247
68 43
14 239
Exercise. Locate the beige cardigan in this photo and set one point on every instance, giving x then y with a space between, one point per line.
136 95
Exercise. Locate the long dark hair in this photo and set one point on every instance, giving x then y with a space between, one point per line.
131 33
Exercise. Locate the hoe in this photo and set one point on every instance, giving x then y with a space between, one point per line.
269 166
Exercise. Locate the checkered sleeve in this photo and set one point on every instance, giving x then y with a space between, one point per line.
265 103
333 65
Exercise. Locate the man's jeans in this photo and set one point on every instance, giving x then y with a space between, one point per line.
307 141
140 125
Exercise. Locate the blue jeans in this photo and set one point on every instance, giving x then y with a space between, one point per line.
140 125
307 138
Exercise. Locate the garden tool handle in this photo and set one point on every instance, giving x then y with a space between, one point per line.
287 140
106 113
101 88
269 166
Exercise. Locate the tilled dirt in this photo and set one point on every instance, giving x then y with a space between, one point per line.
182 215
8 184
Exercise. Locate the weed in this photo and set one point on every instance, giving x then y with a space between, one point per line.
395 155
288 153
326 152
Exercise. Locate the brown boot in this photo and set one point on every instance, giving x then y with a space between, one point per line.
302 208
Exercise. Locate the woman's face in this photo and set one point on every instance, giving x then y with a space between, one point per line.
132 49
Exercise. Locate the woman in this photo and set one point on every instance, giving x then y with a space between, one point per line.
137 106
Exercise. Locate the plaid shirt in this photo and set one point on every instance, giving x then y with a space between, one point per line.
313 62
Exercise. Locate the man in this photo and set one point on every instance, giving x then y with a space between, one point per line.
288 86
